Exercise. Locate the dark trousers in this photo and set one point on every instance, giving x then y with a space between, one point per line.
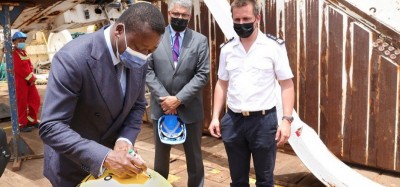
254 136
192 146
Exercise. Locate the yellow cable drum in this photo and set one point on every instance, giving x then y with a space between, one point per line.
108 179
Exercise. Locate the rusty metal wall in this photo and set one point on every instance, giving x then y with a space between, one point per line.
347 75
347 78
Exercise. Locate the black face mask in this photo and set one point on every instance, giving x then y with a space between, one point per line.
244 30
179 24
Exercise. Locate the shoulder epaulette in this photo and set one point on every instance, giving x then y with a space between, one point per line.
278 40
223 44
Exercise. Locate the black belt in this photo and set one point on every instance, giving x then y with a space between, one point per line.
254 113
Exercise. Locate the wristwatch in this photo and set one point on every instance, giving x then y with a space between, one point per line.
288 118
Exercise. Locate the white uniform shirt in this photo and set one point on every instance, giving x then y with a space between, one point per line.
252 75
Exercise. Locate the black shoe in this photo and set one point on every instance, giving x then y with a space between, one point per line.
35 125
25 129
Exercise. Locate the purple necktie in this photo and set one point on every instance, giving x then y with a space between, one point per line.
175 50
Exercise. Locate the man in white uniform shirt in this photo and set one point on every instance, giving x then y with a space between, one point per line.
247 71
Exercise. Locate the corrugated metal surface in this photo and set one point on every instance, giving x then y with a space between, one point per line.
42 14
347 79
39 14
347 74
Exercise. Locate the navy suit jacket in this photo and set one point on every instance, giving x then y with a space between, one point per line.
84 111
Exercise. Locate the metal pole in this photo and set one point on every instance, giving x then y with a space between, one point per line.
10 76
20 149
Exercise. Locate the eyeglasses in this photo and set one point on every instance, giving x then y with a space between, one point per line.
178 15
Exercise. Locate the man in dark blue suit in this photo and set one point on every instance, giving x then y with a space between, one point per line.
95 100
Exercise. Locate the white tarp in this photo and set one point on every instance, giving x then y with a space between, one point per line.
316 156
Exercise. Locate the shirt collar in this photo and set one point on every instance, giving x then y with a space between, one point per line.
107 36
261 39
172 32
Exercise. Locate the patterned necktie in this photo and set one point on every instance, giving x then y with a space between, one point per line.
175 50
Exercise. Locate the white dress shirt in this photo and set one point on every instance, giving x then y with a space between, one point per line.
252 75
122 82
122 79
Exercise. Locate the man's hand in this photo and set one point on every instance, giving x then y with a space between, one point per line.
214 128
124 165
173 111
169 104
283 133
121 145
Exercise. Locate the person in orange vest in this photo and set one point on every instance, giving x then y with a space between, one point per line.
28 99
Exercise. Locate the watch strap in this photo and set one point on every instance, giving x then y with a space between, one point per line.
288 118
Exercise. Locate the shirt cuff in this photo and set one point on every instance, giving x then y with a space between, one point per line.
102 168
125 139
179 100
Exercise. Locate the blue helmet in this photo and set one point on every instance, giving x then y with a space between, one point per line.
171 130
19 35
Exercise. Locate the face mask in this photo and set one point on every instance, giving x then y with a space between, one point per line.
179 24
131 58
21 45
244 30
